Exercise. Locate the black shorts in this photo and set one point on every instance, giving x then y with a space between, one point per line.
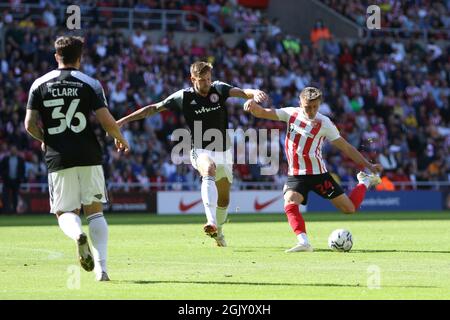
322 184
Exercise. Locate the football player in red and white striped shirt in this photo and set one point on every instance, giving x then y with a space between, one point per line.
307 130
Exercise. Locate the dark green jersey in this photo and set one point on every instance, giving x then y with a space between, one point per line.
209 111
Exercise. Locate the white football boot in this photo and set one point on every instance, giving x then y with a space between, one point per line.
301 247
220 240
370 180
103 276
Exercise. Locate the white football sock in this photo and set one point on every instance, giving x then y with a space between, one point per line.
302 238
98 231
365 180
366 183
209 197
222 213
70 224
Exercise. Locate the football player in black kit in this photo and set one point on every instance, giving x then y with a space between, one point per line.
64 99
203 107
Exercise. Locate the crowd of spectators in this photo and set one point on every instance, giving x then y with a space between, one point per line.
411 15
389 98
225 15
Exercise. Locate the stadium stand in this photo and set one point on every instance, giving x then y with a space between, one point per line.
389 98
404 18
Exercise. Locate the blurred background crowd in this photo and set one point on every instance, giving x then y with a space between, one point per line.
389 98
411 15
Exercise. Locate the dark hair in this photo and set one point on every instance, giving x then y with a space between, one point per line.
69 48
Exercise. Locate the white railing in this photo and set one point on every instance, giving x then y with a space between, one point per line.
128 18
237 185
406 33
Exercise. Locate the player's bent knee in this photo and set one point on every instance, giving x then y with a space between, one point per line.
288 202
208 169
208 172
92 208
211 170
59 213
292 198
291 201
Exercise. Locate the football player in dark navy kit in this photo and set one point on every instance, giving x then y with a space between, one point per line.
204 103
64 99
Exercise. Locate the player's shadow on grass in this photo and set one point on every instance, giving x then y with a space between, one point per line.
385 251
281 249
145 282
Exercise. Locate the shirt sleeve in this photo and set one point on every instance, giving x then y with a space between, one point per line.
99 97
331 132
34 98
284 113
174 101
223 88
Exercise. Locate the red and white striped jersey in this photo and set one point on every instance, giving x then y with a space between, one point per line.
304 140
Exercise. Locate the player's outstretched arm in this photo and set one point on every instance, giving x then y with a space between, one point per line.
260 112
255 94
355 155
109 124
141 113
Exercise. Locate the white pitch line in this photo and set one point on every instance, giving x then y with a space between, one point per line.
52 255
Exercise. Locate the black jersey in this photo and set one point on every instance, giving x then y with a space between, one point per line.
210 111
65 98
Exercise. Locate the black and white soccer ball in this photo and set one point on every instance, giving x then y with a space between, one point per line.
340 240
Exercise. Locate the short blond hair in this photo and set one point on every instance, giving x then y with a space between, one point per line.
199 68
310 94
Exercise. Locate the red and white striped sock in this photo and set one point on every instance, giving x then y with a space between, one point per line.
357 195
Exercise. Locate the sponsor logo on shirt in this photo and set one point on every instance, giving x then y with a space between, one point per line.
205 110
293 127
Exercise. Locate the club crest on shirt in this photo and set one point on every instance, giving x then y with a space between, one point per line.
214 97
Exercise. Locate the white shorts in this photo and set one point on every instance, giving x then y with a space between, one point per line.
70 188
223 161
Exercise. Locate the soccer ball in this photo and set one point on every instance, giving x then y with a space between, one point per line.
340 240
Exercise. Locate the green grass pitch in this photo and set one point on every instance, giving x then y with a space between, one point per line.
168 257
